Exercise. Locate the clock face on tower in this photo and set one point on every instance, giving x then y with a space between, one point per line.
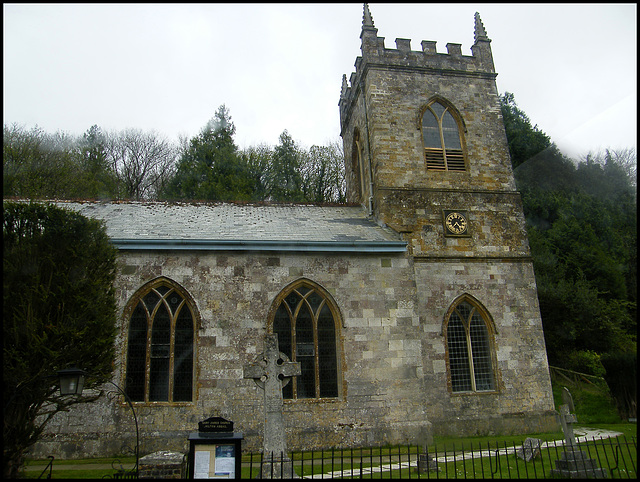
455 223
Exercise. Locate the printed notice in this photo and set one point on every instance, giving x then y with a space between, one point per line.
225 461
201 465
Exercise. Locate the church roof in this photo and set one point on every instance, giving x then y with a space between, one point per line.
247 227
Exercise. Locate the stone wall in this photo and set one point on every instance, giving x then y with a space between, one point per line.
507 290
381 360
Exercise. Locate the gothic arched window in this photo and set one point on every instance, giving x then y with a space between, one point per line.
442 139
306 322
160 346
356 166
469 348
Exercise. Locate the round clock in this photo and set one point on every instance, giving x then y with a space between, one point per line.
456 223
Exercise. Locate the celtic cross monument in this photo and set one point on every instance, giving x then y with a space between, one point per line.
272 371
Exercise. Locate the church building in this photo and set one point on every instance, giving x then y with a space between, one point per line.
412 310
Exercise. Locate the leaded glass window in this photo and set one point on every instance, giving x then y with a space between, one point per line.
469 350
160 348
442 139
306 327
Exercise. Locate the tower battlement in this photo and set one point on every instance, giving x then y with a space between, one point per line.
376 55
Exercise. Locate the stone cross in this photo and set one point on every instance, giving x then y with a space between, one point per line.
574 463
567 419
271 372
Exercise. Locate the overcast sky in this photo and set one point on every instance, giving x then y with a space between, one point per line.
167 67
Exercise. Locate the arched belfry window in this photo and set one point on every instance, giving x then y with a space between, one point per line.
468 332
306 322
160 345
356 166
442 138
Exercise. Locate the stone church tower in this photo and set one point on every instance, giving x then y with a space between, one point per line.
426 155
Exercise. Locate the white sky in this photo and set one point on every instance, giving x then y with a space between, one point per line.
167 67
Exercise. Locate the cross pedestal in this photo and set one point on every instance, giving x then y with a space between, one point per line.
573 462
272 371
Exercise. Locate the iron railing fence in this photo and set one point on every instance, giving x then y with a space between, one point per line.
595 458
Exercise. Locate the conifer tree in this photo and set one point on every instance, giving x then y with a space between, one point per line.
286 179
59 310
211 167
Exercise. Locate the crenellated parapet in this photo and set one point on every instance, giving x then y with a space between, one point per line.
376 55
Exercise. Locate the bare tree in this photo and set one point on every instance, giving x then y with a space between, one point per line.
628 160
143 161
323 173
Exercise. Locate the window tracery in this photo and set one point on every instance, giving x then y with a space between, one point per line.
442 138
469 348
306 324
160 346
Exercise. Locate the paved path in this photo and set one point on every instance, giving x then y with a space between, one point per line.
582 434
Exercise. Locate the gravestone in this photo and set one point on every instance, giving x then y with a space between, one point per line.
530 449
163 465
427 463
574 463
271 372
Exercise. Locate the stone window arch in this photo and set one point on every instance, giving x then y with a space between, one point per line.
470 353
443 136
357 166
160 343
307 322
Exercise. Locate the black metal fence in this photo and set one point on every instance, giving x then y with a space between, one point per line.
595 458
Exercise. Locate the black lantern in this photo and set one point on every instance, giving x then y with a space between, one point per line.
71 381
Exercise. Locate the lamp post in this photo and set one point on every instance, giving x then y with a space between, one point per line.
72 383
135 419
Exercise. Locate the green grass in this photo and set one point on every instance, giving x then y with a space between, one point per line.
36 467
593 403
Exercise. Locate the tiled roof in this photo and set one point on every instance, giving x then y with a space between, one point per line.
282 227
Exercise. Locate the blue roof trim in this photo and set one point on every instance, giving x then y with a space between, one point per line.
237 245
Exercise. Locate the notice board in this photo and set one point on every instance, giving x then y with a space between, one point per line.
215 457
214 461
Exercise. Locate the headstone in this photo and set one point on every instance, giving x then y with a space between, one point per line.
426 463
530 449
574 463
568 399
272 371
163 465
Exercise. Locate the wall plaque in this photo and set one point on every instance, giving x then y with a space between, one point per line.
215 424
